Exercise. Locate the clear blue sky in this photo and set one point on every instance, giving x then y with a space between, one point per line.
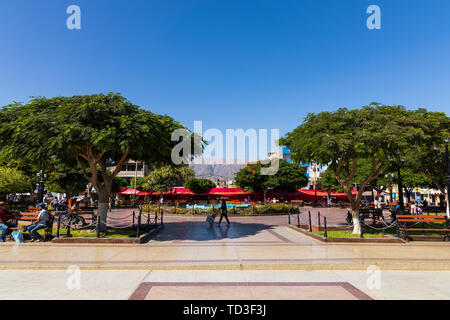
231 63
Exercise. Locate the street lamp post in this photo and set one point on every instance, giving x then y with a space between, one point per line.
315 182
135 184
41 186
447 163
400 188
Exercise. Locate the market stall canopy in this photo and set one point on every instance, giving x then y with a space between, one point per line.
126 191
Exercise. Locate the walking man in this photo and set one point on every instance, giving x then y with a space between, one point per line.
224 210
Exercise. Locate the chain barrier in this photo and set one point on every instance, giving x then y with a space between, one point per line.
120 218
374 228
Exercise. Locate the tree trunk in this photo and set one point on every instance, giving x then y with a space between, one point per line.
103 206
356 222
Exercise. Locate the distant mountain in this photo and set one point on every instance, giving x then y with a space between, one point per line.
211 169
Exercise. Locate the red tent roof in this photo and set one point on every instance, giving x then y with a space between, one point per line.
229 192
130 191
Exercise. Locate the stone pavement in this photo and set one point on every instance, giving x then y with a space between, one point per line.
254 258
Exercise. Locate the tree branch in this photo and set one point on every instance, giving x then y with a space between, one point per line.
120 163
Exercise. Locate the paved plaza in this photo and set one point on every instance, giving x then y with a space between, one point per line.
253 258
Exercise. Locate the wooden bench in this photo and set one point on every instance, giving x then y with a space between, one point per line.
32 217
405 221
299 202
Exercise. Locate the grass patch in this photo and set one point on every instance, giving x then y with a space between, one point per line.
93 234
371 233
347 234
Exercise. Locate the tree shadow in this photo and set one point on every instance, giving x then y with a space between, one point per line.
201 231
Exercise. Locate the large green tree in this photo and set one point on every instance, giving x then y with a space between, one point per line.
98 131
328 182
289 177
427 155
376 134
250 179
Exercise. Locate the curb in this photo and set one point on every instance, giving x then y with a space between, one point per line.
95 240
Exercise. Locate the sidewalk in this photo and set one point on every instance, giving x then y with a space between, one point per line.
255 257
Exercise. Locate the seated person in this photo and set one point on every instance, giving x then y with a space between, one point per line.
40 223
5 215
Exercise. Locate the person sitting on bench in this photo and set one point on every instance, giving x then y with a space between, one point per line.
40 223
5 215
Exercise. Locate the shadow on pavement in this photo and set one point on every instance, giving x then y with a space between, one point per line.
201 231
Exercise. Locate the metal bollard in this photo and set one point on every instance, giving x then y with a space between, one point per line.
325 226
98 225
309 217
59 226
138 225
148 218
298 218
134 214
318 217
289 217
361 226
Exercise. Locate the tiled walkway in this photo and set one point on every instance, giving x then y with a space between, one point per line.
254 258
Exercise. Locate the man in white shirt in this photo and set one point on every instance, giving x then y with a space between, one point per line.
40 223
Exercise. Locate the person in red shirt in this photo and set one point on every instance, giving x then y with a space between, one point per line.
5 215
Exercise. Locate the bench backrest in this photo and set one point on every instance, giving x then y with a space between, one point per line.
421 218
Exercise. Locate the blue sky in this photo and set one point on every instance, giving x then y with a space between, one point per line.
230 63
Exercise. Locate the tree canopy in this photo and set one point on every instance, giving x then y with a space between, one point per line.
162 178
98 131
198 185
289 177
376 134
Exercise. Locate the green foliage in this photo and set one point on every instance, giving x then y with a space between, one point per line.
289 177
98 131
250 179
427 155
118 183
198 185
376 135
68 180
273 208
14 181
163 178
328 182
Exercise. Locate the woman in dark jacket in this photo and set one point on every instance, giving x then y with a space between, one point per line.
223 207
